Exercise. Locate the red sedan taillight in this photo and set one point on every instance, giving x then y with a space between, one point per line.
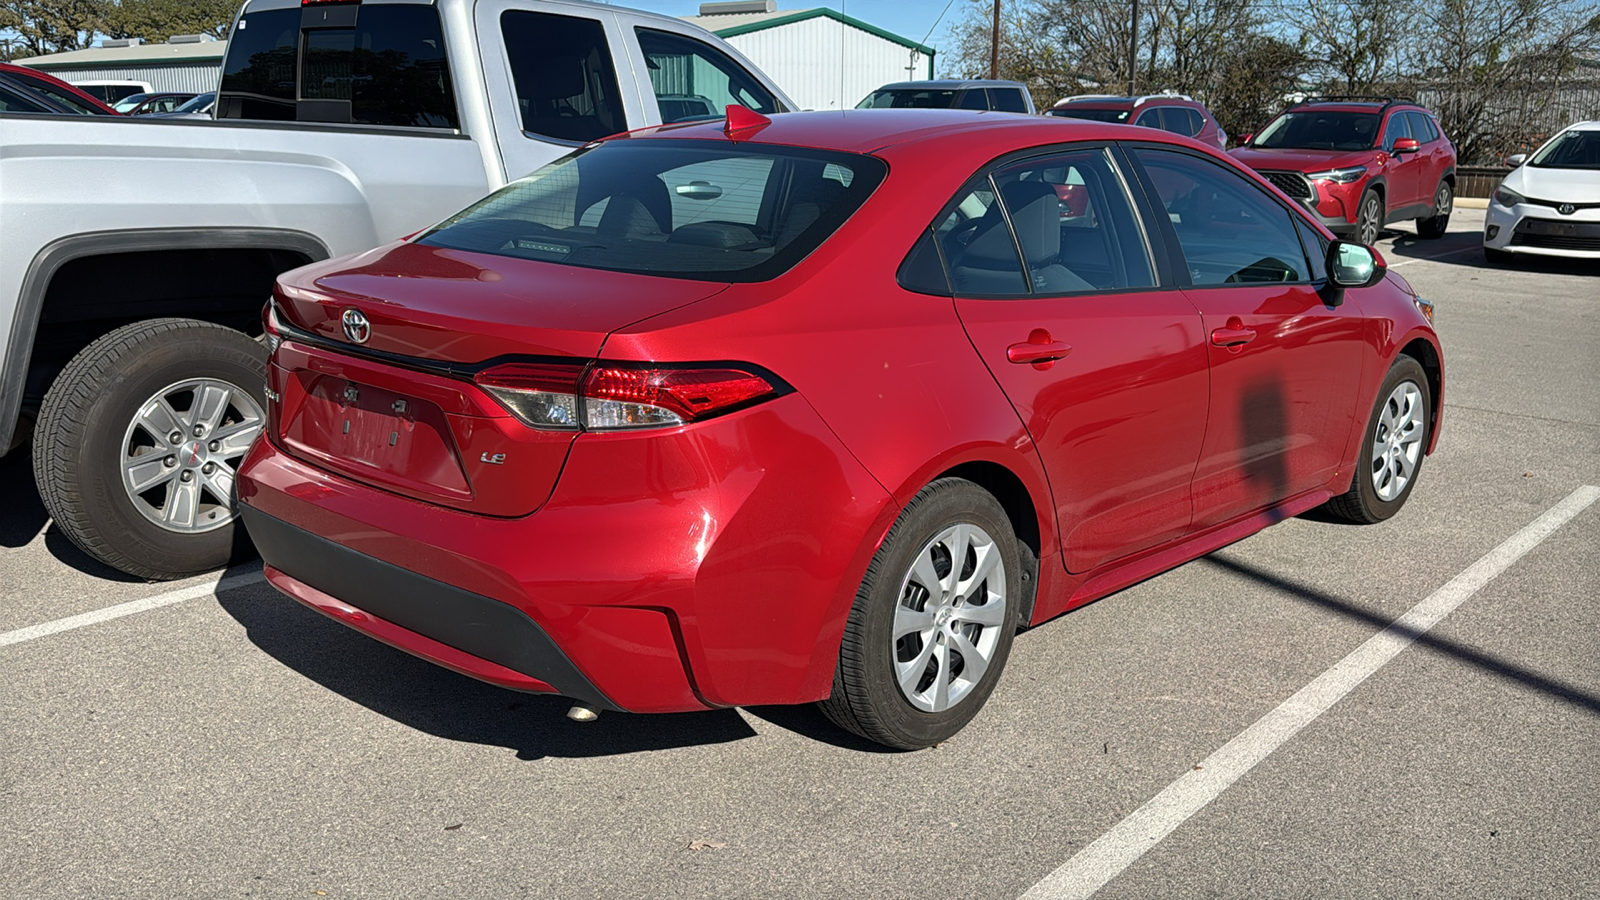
617 397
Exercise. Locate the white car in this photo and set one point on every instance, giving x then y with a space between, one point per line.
1550 203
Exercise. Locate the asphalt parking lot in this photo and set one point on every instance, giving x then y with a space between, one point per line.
1249 725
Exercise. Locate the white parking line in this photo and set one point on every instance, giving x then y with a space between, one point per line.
206 588
1116 850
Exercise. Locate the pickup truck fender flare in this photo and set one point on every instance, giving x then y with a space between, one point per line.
30 300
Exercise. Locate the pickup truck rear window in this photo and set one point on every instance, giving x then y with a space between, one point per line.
705 210
388 69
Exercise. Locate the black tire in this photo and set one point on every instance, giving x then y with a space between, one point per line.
1369 218
1498 257
1433 227
86 431
1364 503
867 697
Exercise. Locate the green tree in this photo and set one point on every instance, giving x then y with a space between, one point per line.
157 20
49 26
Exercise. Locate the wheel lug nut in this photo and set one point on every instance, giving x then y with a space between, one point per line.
199 430
208 468
175 437
170 461
214 446
187 475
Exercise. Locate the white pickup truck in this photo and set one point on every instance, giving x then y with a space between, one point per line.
136 255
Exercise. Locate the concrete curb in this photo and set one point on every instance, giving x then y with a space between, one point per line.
1472 202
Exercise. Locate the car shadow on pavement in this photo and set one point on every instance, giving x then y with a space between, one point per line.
1526 678
442 703
23 517
1465 249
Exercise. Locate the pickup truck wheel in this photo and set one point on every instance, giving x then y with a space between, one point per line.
139 440
1435 225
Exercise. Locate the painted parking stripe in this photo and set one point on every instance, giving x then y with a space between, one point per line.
1417 259
1116 850
204 589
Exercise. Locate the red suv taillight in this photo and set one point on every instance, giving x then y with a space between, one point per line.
619 397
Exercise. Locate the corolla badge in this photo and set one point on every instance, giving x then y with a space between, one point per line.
356 326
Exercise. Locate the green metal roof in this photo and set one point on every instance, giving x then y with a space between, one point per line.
823 13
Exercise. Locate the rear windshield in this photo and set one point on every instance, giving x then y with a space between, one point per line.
922 98
1573 150
1097 115
1319 130
707 210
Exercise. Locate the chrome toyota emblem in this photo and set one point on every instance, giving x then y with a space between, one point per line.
1566 209
356 326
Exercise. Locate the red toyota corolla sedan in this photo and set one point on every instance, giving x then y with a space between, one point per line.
822 408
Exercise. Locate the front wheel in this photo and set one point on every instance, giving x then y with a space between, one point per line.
933 621
1434 226
1369 218
1393 449
139 440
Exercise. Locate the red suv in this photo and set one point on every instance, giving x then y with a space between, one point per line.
1359 163
1177 113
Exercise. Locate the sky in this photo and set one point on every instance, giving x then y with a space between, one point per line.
907 18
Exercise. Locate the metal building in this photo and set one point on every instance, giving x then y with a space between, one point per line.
190 63
821 58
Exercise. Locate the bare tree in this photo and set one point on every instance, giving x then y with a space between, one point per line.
1354 46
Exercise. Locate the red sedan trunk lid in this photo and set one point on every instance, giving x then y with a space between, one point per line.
411 426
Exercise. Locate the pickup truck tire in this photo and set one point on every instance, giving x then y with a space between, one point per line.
138 441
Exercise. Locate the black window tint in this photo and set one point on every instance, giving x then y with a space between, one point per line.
566 83
1150 118
1231 232
1075 224
1316 248
978 245
258 78
1396 129
973 98
71 101
1093 115
907 99
922 270
14 101
1197 122
398 73
1175 119
1421 128
1007 100
713 210
686 71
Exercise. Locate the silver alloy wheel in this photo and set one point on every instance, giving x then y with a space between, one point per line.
182 450
947 623
1443 200
1397 441
1367 221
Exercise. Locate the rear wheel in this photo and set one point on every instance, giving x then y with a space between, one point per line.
933 622
1393 449
1369 218
1434 226
139 440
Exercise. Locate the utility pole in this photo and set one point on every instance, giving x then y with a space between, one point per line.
1133 53
994 44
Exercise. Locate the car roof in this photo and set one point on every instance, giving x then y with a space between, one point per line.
867 130
945 84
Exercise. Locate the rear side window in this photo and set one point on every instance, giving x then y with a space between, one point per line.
691 77
383 65
566 83
1422 128
973 99
1007 100
706 210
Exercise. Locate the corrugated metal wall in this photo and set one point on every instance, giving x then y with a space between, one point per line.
193 79
825 64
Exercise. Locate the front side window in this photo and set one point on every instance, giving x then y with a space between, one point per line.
690 78
1398 128
972 99
1422 128
1230 231
709 210
1319 130
71 101
1007 100
565 80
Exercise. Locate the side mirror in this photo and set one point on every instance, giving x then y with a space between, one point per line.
1516 159
1406 145
1350 265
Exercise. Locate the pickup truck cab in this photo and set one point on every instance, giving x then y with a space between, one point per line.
139 252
